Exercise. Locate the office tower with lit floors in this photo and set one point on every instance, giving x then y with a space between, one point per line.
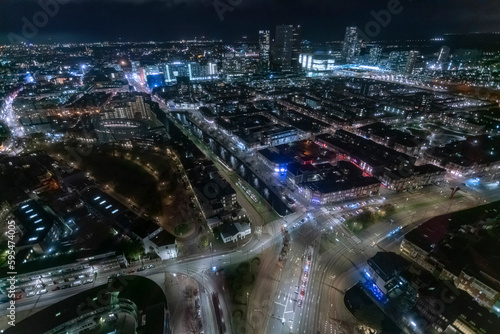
287 47
352 44
264 48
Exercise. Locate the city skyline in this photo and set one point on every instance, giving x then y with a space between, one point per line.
89 21
238 167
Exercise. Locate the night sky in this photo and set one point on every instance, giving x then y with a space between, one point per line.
322 20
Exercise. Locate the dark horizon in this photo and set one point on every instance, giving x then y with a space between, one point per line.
164 20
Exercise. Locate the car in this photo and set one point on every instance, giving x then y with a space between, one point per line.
141 269
296 292
81 276
151 266
41 292
76 283
131 271
299 304
56 288
88 280
302 292
30 294
65 286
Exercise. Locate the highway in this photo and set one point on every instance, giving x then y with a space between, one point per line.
8 116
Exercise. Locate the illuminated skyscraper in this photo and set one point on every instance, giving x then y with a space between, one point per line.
444 53
287 47
412 59
352 44
296 47
403 61
264 46
375 55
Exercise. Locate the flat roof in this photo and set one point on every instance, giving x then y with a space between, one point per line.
387 264
103 203
275 157
36 222
164 238
326 186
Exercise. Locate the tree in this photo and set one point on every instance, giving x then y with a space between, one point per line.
370 316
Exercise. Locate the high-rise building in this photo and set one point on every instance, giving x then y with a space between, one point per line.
287 47
375 55
264 46
403 61
444 53
296 47
352 44
410 63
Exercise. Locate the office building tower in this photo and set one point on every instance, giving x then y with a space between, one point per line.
352 44
444 53
402 61
287 47
410 63
264 48
375 55
296 47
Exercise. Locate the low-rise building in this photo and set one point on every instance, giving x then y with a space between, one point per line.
327 191
385 268
411 178
273 160
164 244
451 248
235 231
281 135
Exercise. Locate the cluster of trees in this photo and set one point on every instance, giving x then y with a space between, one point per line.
369 217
